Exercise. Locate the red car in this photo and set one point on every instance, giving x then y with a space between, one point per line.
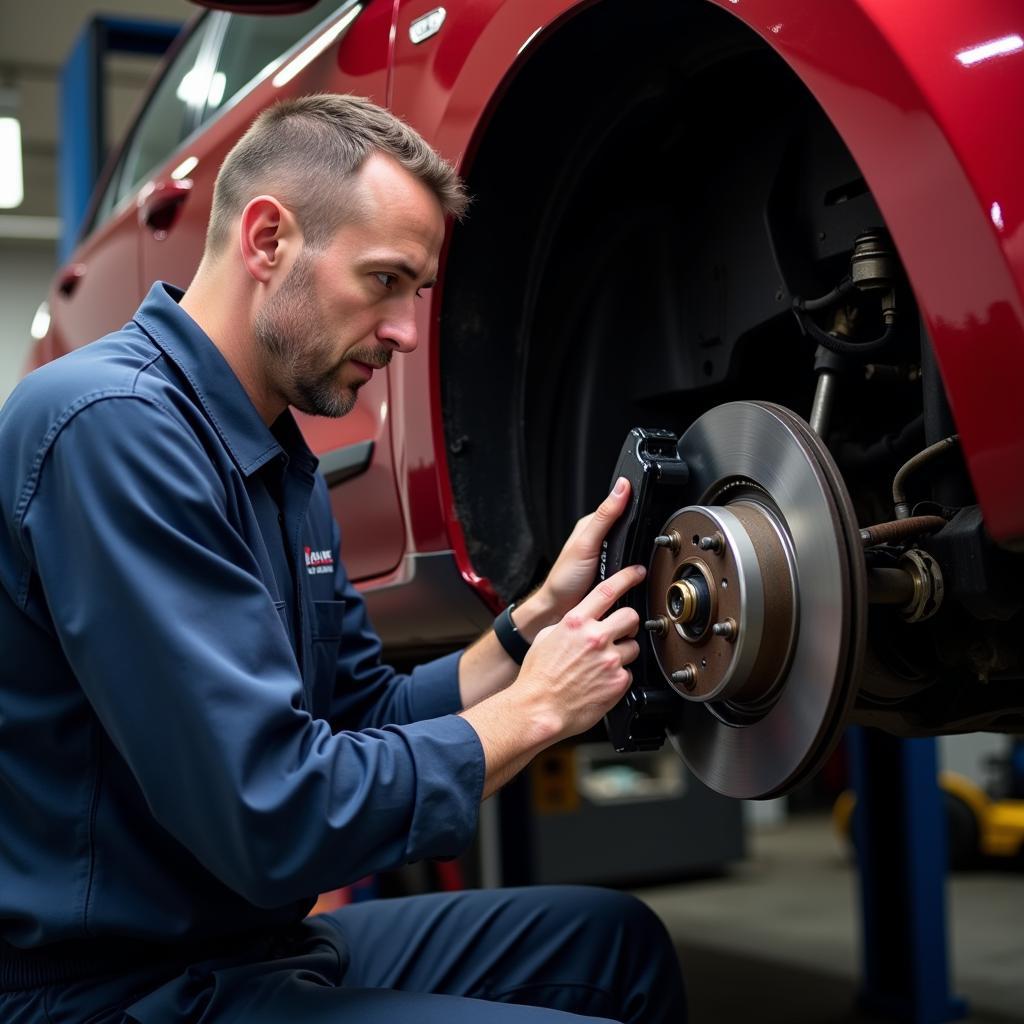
676 207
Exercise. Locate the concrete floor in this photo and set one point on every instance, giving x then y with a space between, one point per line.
776 940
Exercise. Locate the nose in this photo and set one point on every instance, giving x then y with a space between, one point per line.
399 329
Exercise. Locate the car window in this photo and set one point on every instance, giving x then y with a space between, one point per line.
170 115
254 44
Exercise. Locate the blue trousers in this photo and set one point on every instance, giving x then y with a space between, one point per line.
537 956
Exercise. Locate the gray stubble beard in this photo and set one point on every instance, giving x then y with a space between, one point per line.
283 331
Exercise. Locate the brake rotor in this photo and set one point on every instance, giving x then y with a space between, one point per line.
759 595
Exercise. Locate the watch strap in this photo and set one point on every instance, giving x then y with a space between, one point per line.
509 637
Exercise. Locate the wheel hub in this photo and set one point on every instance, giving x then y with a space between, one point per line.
729 602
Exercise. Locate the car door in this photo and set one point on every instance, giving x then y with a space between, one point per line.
255 60
101 286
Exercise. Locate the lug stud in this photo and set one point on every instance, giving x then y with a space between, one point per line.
686 676
714 543
668 540
726 628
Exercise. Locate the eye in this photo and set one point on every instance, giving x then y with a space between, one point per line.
388 280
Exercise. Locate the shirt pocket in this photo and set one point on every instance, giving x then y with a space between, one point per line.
328 627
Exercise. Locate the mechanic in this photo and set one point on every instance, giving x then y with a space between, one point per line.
197 734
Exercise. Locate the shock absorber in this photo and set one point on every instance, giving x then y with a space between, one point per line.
874 267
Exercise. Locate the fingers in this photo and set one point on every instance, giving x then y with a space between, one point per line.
629 651
611 508
591 530
596 604
621 623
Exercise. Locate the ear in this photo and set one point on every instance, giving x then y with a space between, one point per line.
269 237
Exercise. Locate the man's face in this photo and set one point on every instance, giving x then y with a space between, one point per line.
343 311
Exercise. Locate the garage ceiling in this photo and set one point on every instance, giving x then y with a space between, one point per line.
34 43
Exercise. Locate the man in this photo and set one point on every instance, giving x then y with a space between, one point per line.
197 734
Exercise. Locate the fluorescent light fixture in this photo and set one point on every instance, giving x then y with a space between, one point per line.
315 48
986 51
12 181
185 168
41 321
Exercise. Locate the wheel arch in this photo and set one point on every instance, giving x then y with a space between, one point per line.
885 123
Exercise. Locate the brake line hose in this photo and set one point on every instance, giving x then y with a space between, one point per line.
899 498
846 348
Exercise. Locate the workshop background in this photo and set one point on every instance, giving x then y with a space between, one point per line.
769 927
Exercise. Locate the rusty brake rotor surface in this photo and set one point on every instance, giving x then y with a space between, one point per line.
760 597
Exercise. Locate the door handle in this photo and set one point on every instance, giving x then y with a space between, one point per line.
160 203
69 277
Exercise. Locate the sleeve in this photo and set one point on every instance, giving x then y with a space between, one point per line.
368 693
166 624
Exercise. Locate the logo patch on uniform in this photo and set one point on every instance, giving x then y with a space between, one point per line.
318 562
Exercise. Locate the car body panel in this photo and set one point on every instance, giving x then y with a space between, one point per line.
98 290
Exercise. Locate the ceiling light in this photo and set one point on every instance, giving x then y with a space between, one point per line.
12 182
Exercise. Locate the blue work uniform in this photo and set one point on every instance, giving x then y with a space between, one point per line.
197 733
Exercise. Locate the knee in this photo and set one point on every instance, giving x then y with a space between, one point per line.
643 959
606 910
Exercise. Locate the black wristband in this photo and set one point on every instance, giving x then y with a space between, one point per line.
509 636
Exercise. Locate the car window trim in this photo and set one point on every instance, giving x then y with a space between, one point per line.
205 53
130 197
112 180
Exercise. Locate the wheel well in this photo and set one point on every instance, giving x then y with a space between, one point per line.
648 197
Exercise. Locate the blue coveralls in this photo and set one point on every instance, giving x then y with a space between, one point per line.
197 735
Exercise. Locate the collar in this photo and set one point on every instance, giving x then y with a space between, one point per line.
250 442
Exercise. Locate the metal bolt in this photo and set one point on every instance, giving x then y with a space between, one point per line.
668 540
726 628
686 676
657 625
713 543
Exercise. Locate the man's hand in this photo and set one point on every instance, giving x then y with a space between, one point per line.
578 667
575 569
574 673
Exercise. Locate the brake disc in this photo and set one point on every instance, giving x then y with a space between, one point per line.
758 595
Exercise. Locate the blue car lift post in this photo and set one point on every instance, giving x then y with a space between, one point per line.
899 826
83 105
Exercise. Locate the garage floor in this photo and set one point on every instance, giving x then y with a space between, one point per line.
776 940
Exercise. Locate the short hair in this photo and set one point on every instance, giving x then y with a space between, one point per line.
296 148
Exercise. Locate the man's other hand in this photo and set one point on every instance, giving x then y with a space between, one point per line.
574 673
577 669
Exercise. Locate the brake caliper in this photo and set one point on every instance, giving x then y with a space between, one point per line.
650 461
